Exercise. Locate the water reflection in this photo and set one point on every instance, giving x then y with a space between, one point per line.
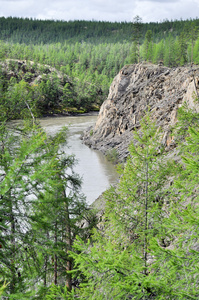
97 173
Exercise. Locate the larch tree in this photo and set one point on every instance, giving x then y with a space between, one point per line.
57 218
147 46
136 35
117 262
25 168
41 207
179 263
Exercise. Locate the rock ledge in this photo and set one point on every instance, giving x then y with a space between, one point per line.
163 90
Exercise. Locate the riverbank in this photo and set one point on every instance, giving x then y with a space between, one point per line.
70 114
34 88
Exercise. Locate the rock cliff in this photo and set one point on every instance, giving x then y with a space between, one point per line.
137 87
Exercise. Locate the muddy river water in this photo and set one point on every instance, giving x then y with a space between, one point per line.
96 172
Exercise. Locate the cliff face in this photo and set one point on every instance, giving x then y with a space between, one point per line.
163 90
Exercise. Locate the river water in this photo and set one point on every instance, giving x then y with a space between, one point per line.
96 171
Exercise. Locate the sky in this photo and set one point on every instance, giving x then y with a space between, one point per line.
101 10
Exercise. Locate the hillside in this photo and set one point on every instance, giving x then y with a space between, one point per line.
48 90
91 53
29 31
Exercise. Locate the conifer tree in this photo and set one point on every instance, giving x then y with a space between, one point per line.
170 52
158 54
40 207
25 169
147 46
195 52
193 35
182 48
136 35
56 218
179 263
117 262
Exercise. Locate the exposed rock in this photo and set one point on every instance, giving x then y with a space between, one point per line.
136 88
21 68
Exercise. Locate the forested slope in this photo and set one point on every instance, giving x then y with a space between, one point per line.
31 31
92 53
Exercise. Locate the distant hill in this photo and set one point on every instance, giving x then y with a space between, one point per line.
31 31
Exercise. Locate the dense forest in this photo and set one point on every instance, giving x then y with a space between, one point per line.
29 31
92 53
145 246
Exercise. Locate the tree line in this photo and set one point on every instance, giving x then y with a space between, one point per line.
32 31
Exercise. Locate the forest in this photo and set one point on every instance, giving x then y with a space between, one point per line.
145 246
89 54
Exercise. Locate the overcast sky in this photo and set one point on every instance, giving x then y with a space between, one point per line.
103 10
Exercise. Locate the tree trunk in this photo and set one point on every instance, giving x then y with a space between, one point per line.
146 217
68 247
13 247
55 257
46 264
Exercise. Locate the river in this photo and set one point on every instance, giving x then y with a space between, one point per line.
96 171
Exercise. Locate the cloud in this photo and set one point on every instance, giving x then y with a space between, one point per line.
87 10
104 10
155 10
160 1
15 8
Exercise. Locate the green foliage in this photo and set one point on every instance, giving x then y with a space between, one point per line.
180 262
116 263
56 292
40 208
182 48
29 31
112 155
147 46
92 64
17 101
27 165
170 52
158 54
136 36
88 56
3 287
148 248
187 118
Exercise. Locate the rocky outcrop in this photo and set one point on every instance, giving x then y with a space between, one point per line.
137 87
29 71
